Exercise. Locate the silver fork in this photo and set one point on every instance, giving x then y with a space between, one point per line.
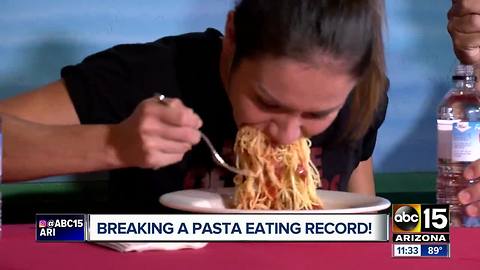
216 156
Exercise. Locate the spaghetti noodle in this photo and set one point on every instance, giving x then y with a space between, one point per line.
284 176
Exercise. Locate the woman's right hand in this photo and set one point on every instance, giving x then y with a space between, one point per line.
155 135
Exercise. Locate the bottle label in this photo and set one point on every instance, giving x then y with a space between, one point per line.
465 141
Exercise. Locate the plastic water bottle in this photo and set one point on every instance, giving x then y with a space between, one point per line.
458 125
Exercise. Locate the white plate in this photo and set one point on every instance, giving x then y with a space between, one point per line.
219 201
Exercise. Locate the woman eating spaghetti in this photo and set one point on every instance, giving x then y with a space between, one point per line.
296 88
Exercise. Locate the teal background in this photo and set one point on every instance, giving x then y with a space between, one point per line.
38 38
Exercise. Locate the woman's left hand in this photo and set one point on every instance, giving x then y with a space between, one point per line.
471 195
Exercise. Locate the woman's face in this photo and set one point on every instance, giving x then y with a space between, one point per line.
288 99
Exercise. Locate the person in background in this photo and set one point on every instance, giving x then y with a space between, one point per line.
464 29
310 68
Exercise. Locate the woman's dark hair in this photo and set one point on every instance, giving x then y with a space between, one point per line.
348 30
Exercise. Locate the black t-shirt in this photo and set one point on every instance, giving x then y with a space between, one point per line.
107 86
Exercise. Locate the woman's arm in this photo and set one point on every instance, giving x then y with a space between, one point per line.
362 180
32 150
43 137
49 104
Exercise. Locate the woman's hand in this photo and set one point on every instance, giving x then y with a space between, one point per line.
464 28
155 135
471 195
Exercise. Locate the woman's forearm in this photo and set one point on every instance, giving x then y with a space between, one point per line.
32 150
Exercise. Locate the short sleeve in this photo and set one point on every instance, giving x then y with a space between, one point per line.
369 140
107 86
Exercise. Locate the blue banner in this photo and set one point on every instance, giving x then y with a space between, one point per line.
60 227
435 251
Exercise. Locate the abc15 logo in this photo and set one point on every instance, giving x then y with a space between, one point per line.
415 218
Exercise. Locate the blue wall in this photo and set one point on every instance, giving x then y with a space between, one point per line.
420 61
37 38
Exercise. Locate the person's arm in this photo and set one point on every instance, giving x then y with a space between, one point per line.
32 150
28 137
464 29
43 137
49 104
362 180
